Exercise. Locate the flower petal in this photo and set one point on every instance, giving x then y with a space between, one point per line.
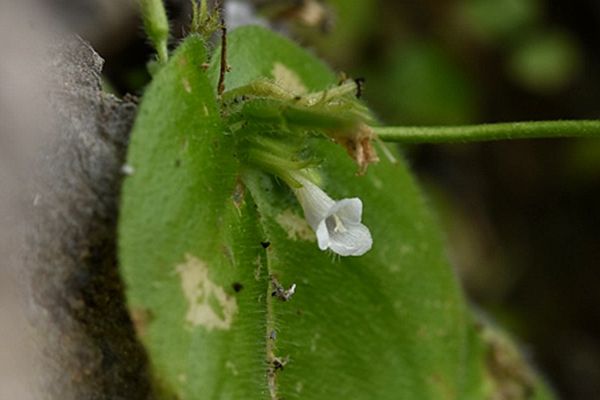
322 235
355 240
348 210
336 223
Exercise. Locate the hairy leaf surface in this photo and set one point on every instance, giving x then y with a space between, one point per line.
201 235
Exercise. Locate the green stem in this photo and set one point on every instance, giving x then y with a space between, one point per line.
156 25
486 132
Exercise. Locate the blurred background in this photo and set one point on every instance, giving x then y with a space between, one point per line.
521 218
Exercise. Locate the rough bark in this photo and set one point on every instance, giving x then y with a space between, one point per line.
62 145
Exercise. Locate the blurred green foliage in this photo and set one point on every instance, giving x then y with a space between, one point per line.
498 21
420 85
545 62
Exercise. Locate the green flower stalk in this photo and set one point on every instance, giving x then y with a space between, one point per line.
487 132
156 25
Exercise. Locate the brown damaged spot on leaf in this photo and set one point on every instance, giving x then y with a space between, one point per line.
510 376
359 144
259 267
186 85
141 318
238 193
208 303
288 79
227 251
295 226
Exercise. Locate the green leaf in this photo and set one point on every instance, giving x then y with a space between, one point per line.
186 236
200 235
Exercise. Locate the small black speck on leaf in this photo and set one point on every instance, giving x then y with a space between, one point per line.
279 364
265 244
237 287
360 82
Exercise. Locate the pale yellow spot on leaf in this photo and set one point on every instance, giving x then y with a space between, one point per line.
257 271
186 85
295 226
288 79
313 342
376 182
231 366
208 303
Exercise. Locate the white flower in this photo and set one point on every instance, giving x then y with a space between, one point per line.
336 223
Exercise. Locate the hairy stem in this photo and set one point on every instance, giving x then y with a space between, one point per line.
156 25
487 132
